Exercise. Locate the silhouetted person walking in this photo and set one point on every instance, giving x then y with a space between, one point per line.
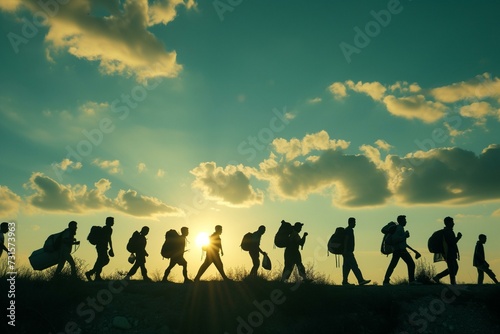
255 250
350 262
67 242
480 263
140 256
292 253
178 257
451 254
400 252
102 250
4 228
214 252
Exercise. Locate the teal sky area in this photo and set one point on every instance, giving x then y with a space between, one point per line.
176 113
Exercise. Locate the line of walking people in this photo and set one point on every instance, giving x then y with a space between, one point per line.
291 241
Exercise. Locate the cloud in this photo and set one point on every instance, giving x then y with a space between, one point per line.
228 186
160 173
296 147
10 5
446 176
415 107
338 90
92 108
373 89
353 180
141 167
405 87
66 163
112 166
410 101
478 111
315 164
165 11
113 33
482 86
383 145
314 100
132 203
50 196
10 203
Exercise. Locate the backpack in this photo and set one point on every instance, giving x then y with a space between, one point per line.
53 242
248 242
387 246
336 242
282 236
172 246
133 242
95 235
435 242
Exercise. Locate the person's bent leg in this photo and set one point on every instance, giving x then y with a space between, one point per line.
203 268
390 268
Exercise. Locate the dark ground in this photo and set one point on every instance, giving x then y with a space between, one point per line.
251 307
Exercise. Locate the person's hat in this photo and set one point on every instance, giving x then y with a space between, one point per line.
298 224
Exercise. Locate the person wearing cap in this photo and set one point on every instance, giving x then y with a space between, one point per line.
400 252
350 262
292 253
214 252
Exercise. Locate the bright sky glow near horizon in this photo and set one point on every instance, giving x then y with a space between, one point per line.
174 113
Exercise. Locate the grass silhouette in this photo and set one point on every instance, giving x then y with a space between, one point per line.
260 305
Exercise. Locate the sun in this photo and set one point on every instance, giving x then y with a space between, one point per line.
202 239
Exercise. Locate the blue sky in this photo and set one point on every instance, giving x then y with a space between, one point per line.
241 113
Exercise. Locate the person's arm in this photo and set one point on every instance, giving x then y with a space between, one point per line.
417 253
111 252
459 236
303 240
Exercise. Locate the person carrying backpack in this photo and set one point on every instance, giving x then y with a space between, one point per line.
178 257
400 252
140 255
214 252
4 228
480 263
292 253
350 262
101 247
67 242
255 250
450 251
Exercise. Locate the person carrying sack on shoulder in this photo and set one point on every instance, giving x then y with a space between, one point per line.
178 258
4 228
67 242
